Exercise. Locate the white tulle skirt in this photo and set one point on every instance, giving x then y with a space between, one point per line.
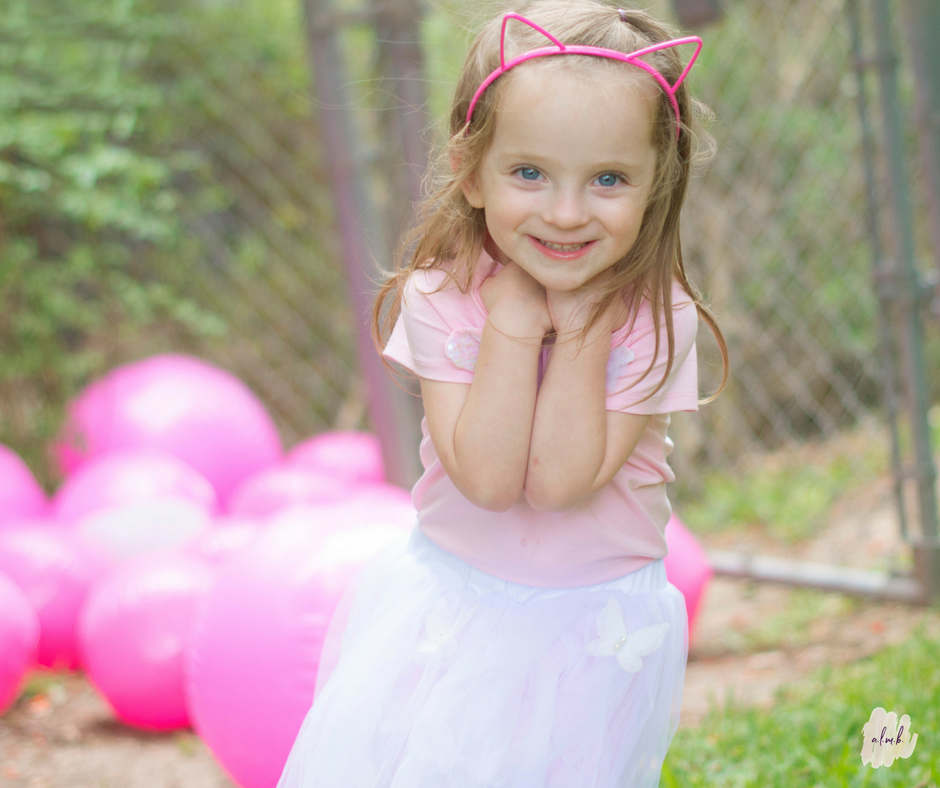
446 677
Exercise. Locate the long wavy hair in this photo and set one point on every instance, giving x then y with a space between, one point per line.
449 230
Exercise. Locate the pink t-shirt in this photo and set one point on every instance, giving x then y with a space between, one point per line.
617 530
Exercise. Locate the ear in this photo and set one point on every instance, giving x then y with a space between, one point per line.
472 191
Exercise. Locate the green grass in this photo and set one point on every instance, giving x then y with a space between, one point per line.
793 625
791 492
42 682
812 736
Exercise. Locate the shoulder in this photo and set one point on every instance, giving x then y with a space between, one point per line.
427 281
435 303
451 275
430 290
449 284
684 318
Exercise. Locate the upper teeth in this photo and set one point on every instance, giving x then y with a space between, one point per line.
563 247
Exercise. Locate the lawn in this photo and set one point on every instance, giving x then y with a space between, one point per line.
813 735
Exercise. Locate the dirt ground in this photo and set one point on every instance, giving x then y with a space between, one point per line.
749 638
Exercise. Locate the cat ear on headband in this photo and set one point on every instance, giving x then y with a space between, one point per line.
634 59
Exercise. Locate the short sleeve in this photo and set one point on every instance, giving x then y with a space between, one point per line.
629 391
420 337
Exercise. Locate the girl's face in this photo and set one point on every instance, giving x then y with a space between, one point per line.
566 178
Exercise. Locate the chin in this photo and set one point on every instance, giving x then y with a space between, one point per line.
567 286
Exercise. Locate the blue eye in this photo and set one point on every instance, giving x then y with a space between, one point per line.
528 173
609 179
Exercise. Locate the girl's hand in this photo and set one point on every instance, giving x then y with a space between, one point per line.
515 287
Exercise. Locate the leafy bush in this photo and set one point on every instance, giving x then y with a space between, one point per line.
104 186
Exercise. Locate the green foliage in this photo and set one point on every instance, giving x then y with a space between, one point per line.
42 682
89 199
73 96
790 493
812 736
103 179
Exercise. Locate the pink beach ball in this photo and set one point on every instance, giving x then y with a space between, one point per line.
282 487
131 476
134 631
47 521
687 566
350 455
386 502
262 630
20 493
54 567
223 539
19 640
145 527
182 405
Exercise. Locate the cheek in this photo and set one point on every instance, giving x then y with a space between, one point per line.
626 222
515 204
632 214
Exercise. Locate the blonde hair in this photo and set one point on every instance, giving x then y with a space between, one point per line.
450 230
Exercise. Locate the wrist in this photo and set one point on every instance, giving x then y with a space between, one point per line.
516 322
574 342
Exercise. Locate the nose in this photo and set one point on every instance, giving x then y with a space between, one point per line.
566 208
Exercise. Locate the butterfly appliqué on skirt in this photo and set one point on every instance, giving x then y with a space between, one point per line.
441 629
615 640
463 346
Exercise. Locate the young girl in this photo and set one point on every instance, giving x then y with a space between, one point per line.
526 635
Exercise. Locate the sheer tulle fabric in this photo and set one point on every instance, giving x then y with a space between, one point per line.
447 677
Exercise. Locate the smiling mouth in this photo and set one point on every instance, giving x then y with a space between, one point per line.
563 247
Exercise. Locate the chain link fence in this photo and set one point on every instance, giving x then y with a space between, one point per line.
774 235
271 266
774 230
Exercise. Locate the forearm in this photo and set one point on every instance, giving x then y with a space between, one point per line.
491 438
569 429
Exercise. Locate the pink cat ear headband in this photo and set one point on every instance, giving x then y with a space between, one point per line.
560 49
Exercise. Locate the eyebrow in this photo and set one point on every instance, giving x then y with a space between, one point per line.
527 156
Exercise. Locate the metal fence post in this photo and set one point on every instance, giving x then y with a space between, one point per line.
883 278
901 294
364 241
922 18
401 62
911 291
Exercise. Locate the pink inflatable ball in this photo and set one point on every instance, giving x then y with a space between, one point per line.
179 404
131 476
54 567
352 456
282 487
40 521
134 631
223 539
20 493
261 631
144 527
19 640
369 505
388 502
687 566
